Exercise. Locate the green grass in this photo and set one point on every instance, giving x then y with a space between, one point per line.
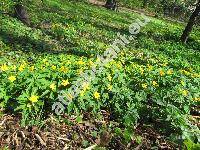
64 39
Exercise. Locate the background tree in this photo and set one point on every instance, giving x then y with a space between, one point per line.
145 2
190 24
111 4
21 12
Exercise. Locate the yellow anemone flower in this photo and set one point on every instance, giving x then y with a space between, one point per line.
185 92
96 95
53 86
44 60
63 69
34 98
65 82
4 67
155 83
109 77
21 67
53 67
170 71
80 62
79 71
109 87
144 85
12 78
32 68
150 67
182 83
162 73
91 63
86 86
196 99
82 93
141 71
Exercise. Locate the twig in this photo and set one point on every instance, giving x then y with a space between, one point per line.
3 122
40 139
91 147
23 135
65 139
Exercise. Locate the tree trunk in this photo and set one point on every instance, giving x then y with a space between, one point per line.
165 8
145 2
190 24
21 14
111 4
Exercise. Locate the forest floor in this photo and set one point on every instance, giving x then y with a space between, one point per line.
58 135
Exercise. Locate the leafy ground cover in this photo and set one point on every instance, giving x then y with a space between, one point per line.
154 81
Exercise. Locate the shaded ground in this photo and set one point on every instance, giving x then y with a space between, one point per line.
100 3
77 136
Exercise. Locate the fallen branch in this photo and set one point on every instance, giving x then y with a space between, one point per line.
91 147
40 139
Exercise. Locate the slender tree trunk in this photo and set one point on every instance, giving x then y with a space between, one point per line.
21 13
111 4
190 24
145 2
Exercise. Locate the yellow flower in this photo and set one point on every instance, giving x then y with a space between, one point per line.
119 66
46 63
53 86
98 59
190 69
63 69
144 85
53 67
162 73
32 68
195 75
21 67
65 82
165 64
12 78
82 93
185 72
44 60
170 71
86 86
182 83
109 87
34 98
150 67
4 67
96 95
109 77
80 62
185 92
141 71
91 63
133 65
196 99
155 83
107 65
42 67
